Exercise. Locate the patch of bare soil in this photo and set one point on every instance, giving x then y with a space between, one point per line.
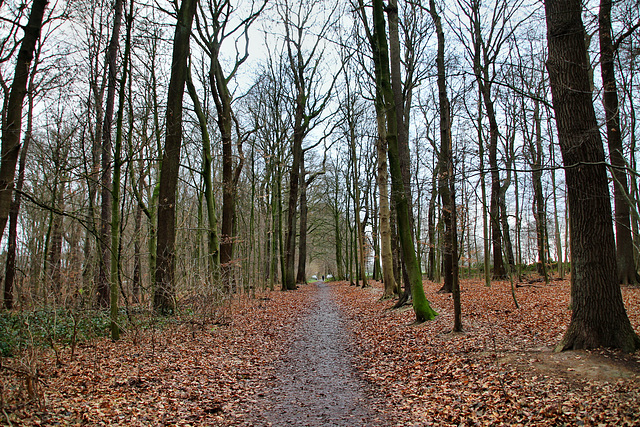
578 367
315 383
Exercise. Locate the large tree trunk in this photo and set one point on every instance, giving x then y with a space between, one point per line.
402 132
421 306
598 314
431 228
12 125
164 295
627 272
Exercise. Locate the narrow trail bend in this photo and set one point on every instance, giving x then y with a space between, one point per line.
316 384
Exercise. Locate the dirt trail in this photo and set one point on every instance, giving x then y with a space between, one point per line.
316 384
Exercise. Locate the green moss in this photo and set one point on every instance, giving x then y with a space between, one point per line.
421 305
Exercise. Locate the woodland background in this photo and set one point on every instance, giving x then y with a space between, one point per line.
120 189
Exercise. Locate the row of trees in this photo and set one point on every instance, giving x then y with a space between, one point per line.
297 116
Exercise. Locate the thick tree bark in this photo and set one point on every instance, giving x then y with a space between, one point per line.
421 306
627 271
12 125
164 295
103 287
402 132
598 314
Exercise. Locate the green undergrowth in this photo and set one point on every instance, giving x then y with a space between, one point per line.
49 328
61 328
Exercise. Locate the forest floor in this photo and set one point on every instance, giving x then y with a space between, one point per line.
334 354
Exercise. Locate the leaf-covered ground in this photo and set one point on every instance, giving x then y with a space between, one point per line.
500 370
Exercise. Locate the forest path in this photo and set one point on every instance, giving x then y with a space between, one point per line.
316 383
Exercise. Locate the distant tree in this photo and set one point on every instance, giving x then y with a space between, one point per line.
598 314
304 53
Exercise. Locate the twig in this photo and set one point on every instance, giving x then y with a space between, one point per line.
7 416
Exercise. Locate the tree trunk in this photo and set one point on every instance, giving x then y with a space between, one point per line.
558 237
421 306
486 235
213 250
386 255
484 87
598 314
502 201
106 166
222 97
627 272
402 135
431 227
445 158
301 277
289 282
12 125
540 211
337 229
375 235
494 206
117 172
10 267
164 295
